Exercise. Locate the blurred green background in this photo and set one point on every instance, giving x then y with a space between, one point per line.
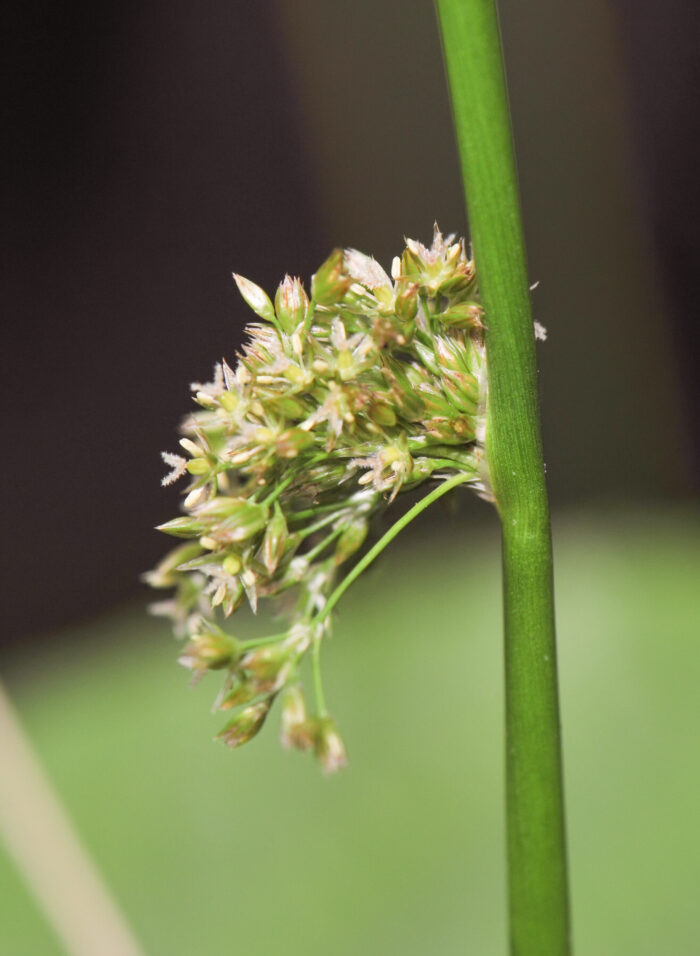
255 852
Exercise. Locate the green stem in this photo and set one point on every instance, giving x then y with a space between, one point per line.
262 641
283 485
537 877
318 525
319 694
322 545
386 539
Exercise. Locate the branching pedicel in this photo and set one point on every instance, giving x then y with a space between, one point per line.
336 405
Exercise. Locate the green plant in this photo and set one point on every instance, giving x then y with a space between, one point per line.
338 404
342 401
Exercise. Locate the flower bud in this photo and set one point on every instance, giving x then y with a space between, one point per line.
244 725
329 747
243 693
232 519
192 447
229 401
463 391
330 284
198 466
292 441
291 303
256 298
275 540
350 540
268 666
298 376
182 527
406 305
295 731
231 564
465 315
382 413
287 407
164 575
210 650
454 286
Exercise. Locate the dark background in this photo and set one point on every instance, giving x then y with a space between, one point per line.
154 148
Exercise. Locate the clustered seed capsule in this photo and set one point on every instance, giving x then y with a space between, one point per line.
337 404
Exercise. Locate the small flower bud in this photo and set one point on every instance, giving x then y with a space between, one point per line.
192 447
195 497
465 315
275 540
330 284
268 666
182 527
328 746
256 298
295 731
236 518
229 401
382 413
264 435
244 725
298 376
198 466
210 650
292 441
350 540
456 285
291 303
164 575
365 270
406 304
242 694
345 365
231 564
287 407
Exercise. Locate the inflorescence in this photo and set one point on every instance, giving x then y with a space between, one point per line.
337 404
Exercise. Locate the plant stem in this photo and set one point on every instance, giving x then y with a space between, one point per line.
387 538
319 694
537 879
49 854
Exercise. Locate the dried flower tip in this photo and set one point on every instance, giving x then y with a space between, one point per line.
178 466
365 270
328 746
293 732
540 332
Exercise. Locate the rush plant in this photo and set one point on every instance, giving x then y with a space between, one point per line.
340 402
346 398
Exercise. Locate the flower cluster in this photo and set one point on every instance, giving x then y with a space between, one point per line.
339 401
